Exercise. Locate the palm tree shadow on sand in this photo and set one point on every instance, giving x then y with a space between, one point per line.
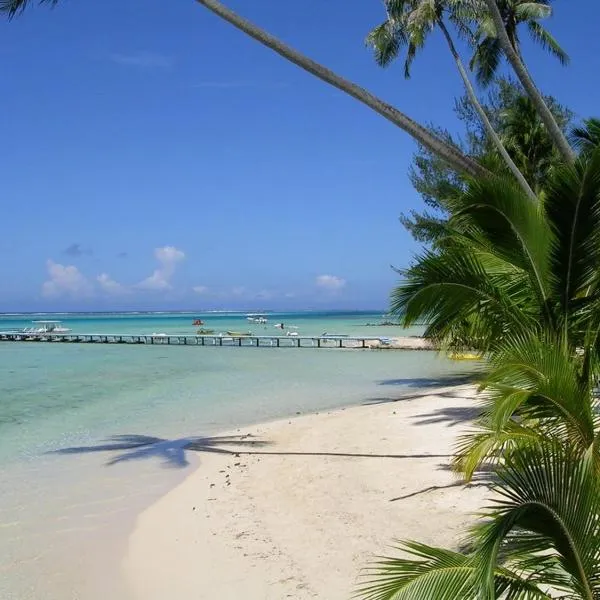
172 452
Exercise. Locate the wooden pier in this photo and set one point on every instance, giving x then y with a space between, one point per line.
256 341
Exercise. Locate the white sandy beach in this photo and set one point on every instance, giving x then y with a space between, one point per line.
295 521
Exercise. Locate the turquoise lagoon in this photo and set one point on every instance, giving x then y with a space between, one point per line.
65 510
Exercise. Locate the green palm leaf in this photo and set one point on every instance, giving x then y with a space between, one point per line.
433 573
586 138
547 42
385 40
524 11
512 225
487 52
555 495
572 206
486 60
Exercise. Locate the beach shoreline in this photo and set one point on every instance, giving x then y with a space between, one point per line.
297 507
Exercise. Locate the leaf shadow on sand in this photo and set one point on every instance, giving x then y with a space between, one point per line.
172 452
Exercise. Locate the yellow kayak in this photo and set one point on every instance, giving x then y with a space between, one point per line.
464 356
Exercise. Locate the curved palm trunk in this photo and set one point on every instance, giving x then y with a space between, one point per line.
449 153
483 116
546 115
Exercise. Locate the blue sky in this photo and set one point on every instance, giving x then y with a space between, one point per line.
158 158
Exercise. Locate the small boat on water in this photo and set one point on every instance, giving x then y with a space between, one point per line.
258 319
205 331
239 333
464 356
41 327
198 322
334 335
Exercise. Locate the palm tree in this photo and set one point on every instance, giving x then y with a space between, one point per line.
488 52
521 281
522 73
527 141
510 266
408 23
538 541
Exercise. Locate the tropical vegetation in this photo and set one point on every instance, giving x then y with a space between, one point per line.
522 132
538 540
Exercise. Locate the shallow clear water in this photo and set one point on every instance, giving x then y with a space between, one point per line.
59 396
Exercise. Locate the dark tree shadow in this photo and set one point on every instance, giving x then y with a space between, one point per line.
432 382
451 415
485 477
173 452
409 397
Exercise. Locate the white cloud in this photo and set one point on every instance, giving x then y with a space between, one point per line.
143 60
110 286
330 283
200 289
160 280
65 280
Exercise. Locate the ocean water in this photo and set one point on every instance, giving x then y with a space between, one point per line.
66 499
305 323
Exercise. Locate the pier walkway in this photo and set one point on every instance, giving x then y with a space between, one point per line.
220 340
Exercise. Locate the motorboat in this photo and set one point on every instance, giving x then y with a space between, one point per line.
334 335
198 322
258 319
205 331
41 327
239 333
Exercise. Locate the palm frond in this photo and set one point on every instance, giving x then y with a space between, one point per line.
556 495
432 573
411 53
386 41
526 11
586 137
486 60
512 225
438 573
572 206
545 39
13 8
538 379
451 289
488 445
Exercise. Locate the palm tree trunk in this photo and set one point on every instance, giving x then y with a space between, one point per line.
520 69
483 116
448 152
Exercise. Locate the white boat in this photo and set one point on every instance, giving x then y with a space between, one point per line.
334 335
258 319
41 327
